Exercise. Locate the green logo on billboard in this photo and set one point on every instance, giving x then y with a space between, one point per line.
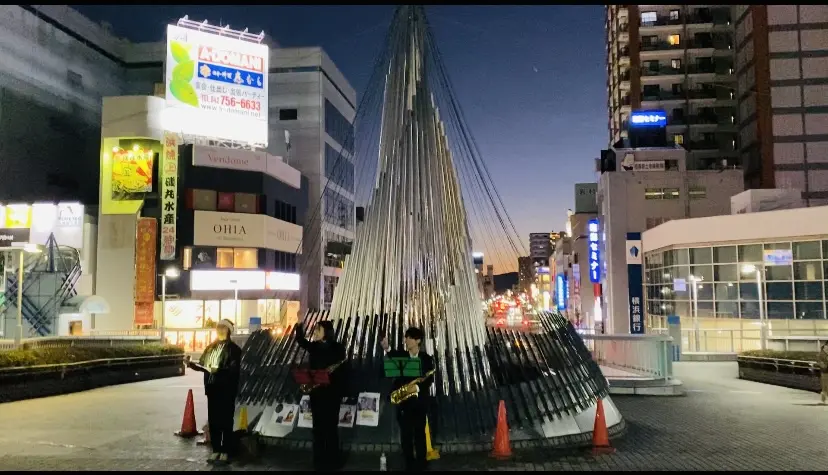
182 74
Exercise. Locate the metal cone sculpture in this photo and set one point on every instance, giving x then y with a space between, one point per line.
411 265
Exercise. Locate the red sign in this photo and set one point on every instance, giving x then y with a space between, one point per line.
145 239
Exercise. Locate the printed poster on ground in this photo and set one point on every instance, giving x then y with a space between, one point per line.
169 195
347 415
305 415
285 414
368 406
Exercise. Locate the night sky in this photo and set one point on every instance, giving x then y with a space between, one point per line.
530 79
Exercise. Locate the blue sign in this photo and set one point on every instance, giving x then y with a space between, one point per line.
651 118
560 291
594 257
636 290
778 257
228 75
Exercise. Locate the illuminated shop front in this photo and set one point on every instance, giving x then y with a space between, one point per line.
191 323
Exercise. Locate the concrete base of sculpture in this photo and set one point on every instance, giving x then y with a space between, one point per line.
564 432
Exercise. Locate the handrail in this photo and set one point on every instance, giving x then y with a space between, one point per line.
644 355
128 359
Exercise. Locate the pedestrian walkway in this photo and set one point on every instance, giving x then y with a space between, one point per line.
722 423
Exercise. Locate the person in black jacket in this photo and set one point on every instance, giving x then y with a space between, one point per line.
220 364
324 351
412 413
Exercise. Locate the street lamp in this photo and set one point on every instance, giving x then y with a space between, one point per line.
31 249
694 302
763 331
171 273
235 283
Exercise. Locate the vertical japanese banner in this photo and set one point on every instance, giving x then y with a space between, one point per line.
635 283
145 236
169 195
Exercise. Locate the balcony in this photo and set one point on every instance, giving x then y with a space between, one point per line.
701 145
660 46
662 95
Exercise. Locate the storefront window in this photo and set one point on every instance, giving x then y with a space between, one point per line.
724 254
778 291
780 310
811 270
806 250
224 258
808 290
750 253
229 310
245 258
809 310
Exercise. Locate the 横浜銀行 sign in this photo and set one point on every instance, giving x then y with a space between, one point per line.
652 118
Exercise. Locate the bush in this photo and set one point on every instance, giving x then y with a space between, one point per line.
783 355
73 354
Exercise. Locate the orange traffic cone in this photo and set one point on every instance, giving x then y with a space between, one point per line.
502 449
600 434
188 424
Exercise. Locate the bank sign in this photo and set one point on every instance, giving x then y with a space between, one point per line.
594 257
651 118
216 86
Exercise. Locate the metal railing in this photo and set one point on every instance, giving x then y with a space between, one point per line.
740 340
83 341
644 355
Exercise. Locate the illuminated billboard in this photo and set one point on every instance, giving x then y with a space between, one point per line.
650 118
216 86
131 172
22 224
126 173
594 252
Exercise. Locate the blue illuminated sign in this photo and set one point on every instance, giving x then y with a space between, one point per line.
653 118
594 252
560 291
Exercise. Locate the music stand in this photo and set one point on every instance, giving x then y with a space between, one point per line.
401 366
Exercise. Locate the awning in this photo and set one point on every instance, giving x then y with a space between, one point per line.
86 304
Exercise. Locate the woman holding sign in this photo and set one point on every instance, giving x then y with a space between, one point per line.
325 353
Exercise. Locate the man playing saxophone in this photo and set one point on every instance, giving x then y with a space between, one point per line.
412 412
325 353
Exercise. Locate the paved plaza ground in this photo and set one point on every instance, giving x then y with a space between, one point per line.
721 424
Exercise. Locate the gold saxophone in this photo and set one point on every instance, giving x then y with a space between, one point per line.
409 390
307 388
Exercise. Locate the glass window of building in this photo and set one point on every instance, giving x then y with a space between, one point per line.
807 250
780 310
701 255
726 273
338 127
671 193
245 258
654 194
809 310
750 253
808 270
339 169
778 291
726 291
224 258
725 255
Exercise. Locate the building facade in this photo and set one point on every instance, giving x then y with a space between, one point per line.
639 189
782 93
789 248
676 58
59 66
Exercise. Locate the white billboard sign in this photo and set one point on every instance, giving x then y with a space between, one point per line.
246 160
215 280
216 86
65 220
214 228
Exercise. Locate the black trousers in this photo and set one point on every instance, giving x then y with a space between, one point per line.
411 416
325 413
220 411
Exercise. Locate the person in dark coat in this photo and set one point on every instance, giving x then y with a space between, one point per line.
412 413
220 364
324 351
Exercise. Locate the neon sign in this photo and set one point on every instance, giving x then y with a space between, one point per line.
561 291
594 252
652 118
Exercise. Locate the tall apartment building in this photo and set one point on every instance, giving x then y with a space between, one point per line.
57 67
676 58
540 248
782 92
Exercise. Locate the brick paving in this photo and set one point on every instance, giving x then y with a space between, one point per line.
722 424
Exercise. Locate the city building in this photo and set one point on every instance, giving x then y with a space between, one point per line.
59 65
782 93
526 274
584 310
560 269
753 267
638 189
56 242
314 131
540 248
680 59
